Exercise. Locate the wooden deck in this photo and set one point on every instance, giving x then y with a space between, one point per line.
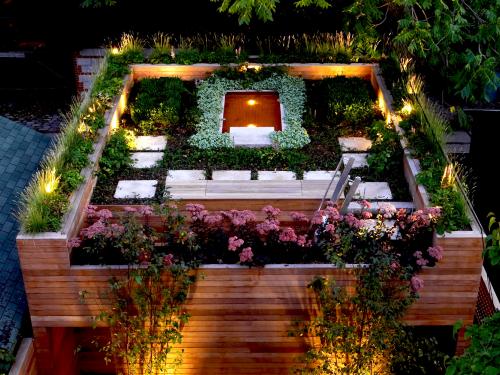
253 189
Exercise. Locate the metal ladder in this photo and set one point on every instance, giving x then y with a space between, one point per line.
343 181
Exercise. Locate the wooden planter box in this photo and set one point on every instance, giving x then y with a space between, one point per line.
241 316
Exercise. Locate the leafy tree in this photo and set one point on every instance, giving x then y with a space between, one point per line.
483 355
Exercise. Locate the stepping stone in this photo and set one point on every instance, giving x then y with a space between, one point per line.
231 175
150 143
276 176
146 159
373 190
354 144
356 207
243 136
136 189
185 175
318 175
359 159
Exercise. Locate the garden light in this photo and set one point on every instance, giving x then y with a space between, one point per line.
251 102
51 181
115 51
407 108
251 126
448 179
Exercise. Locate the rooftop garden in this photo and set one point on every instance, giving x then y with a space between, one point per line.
147 132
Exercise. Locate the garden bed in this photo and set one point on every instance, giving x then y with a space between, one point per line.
275 294
352 99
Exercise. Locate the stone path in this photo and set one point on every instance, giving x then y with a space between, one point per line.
236 184
20 152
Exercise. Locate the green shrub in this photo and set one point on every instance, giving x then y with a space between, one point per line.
483 355
385 153
349 100
71 179
187 56
157 104
116 156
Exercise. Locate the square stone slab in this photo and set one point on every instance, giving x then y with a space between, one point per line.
243 136
150 143
354 144
276 176
146 159
185 175
359 159
231 175
373 190
319 175
136 189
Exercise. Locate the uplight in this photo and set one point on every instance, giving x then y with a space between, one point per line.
407 108
115 51
251 126
251 102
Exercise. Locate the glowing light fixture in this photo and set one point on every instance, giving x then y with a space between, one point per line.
51 181
251 102
407 108
251 126
115 51
255 67
448 178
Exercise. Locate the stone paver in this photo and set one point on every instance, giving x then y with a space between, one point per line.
276 176
136 189
146 159
150 143
318 175
359 144
373 190
185 175
231 175
20 152
244 136
359 159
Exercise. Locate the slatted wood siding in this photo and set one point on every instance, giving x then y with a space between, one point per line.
240 316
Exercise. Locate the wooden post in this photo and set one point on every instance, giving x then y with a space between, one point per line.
462 342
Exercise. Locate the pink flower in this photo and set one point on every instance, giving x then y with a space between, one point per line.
333 213
268 225
246 255
91 211
417 254
197 211
416 283
317 218
436 252
387 210
146 211
422 262
98 228
302 240
366 215
74 242
234 243
365 204
270 211
240 218
352 221
433 212
330 228
168 260
394 265
130 209
213 219
298 216
288 235
104 214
